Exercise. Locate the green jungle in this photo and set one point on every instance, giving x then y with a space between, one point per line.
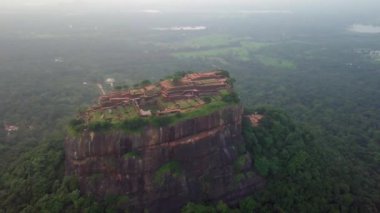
317 84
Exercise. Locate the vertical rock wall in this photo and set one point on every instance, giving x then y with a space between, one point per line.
161 169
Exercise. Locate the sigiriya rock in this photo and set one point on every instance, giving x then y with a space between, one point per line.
163 145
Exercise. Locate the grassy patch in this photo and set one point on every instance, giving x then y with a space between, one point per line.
276 63
236 52
205 110
134 125
100 126
251 45
222 46
209 41
137 124
231 98
115 115
163 121
172 169
75 126
131 155
241 162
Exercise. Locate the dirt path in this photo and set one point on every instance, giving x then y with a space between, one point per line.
101 89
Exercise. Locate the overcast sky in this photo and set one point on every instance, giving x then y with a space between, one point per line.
334 5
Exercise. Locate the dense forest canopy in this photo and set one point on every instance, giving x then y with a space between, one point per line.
320 152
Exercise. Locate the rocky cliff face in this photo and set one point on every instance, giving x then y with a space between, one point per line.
161 169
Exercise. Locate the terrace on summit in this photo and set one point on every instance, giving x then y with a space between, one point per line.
182 93
194 85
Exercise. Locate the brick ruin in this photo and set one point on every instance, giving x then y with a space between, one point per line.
190 87
255 119
194 85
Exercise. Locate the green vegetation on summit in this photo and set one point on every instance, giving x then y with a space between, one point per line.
183 96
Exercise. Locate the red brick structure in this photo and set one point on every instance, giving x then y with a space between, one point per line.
118 98
194 85
255 119
190 86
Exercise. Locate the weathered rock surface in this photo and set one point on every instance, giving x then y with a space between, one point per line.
161 169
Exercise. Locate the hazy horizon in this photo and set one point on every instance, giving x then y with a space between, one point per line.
317 6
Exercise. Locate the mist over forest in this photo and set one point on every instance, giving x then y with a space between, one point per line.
313 67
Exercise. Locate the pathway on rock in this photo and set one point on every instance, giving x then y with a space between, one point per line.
101 89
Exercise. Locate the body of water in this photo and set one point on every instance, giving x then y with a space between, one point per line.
181 28
361 28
